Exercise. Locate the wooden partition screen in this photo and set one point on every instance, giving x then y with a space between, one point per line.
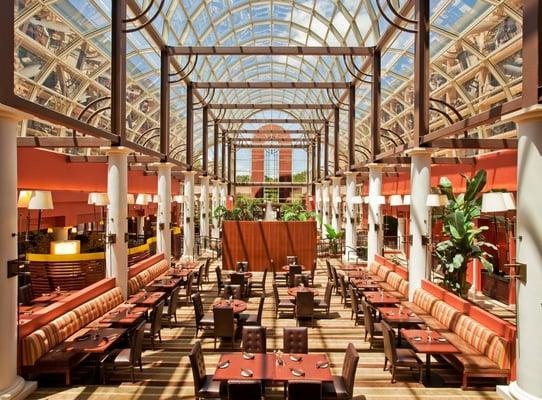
260 242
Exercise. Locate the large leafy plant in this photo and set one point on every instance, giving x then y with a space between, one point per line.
296 211
334 238
464 240
244 210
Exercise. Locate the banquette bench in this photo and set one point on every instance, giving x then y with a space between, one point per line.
145 271
394 277
57 322
485 341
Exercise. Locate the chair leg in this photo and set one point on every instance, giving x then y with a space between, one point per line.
385 363
132 373
159 336
140 365
392 374
152 342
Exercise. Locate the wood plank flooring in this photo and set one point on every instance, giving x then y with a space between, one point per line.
167 374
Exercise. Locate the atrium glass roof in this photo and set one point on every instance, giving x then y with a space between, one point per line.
63 59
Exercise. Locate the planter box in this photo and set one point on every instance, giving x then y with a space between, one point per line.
497 287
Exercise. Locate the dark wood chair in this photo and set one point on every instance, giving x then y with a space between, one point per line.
244 390
255 339
312 273
242 266
304 306
170 313
153 328
325 303
233 291
199 278
335 276
357 311
204 385
238 278
219 280
188 289
372 329
253 319
126 358
258 285
303 390
295 340
345 294
329 273
203 320
343 385
206 269
25 295
290 260
406 358
224 324
281 304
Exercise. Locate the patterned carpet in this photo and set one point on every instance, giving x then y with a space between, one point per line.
167 374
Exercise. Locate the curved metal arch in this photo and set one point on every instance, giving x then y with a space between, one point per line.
146 133
96 113
391 22
367 158
149 139
437 110
389 138
140 15
182 74
206 99
335 100
447 105
93 102
395 134
149 20
398 15
354 75
176 150
360 147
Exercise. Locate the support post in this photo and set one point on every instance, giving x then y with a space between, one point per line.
204 211
215 149
336 131
163 234
336 203
189 126
189 226
118 70
318 157
326 150
216 204
12 386
375 105
351 125
318 204
420 224
116 250
401 225
325 207
205 139
421 73
350 237
164 102
374 242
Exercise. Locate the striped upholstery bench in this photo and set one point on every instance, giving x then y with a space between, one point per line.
484 353
37 348
144 272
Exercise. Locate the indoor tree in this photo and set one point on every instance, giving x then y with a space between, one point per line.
464 239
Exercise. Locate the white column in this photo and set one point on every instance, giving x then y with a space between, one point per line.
204 211
140 225
325 207
188 231
11 385
529 242
163 236
116 254
401 225
374 244
216 204
420 187
318 204
223 193
335 204
350 239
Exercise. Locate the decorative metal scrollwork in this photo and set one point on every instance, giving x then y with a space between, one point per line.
398 15
143 15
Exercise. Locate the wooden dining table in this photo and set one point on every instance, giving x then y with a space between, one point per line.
93 340
265 367
365 284
146 299
52 297
293 291
287 268
405 318
124 315
163 283
238 305
377 299
438 345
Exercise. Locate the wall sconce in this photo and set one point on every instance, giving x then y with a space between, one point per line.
111 238
161 226
519 271
426 240
187 220
377 227
203 215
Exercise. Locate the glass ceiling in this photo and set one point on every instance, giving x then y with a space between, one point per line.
63 60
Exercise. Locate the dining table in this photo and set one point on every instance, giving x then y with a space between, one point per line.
365 284
92 340
52 297
273 367
380 298
146 299
400 317
178 272
287 268
163 283
293 291
430 343
124 315
238 305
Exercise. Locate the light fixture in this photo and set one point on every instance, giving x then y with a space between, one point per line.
98 199
381 200
74 229
366 199
357 200
406 200
40 200
24 198
142 199
436 200
509 201
178 198
155 198
130 199
493 202
396 200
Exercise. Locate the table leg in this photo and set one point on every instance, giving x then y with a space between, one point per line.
431 379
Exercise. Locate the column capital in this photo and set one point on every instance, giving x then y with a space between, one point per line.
205 178
420 151
191 172
12 113
525 114
351 173
375 166
336 179
117 150
163 165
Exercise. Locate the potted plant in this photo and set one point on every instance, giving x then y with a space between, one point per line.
464 240
334 238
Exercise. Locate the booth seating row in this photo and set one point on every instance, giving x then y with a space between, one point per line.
58 321
394 277
144 272
487 343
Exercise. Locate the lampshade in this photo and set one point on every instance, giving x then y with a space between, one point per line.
155 198
130 199
436 200
178 198
381 200
41 200
509 201
406 200
98 199
357 200
142 199
493 202
396 200
337 199
366 199
24 198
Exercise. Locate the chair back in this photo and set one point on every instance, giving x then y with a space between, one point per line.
313 270
198 307
242 266
156 317
301 390
328 293
276 294
335 276
260 309
189 284
329 273
224 324
234 291
295 269
304 304
350 364
389 343
219 277
244 390
342 283
237 278
206 269
296 280
354 303
197 363
264 277
201 272
290 260
137 343
367 317
295 340
25 295
255 339
173 301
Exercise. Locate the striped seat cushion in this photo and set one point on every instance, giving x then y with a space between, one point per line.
145 277
383 272
374 267
424 299
445 313
394 280
403 287
484 340
41 341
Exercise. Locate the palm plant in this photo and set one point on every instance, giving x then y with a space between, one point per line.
464 240
296 211
334 237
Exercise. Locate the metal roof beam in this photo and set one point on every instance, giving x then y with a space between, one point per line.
269 50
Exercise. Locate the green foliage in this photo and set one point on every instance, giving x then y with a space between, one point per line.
296 211
245 210
300 177
464 240
334 237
